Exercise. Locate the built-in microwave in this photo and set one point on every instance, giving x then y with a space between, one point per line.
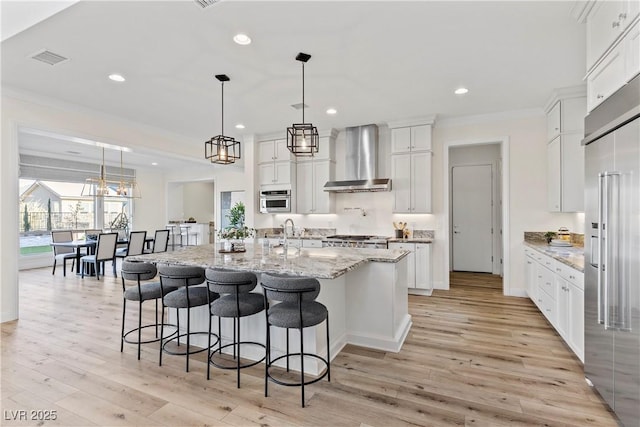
275 201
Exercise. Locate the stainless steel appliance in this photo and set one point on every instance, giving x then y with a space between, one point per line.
361 163
354 241
275 201
612 253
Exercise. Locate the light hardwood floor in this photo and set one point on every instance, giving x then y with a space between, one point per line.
473 357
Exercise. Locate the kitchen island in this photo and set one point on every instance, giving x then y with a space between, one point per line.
365 291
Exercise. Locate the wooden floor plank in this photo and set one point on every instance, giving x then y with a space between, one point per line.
473 357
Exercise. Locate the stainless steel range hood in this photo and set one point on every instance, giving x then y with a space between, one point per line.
361 163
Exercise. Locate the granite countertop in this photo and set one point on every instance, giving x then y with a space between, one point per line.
322 263
411 240
281 236
573 256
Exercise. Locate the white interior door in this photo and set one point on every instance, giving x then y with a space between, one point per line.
472 220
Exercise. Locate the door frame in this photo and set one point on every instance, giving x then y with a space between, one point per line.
503 142
494 217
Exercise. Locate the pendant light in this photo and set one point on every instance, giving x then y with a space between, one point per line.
103 187
127 188
222 149
302 138
97 186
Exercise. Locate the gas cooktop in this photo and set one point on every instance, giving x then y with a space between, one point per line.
358 237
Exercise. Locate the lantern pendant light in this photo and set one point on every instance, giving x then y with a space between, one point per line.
303 138
222 149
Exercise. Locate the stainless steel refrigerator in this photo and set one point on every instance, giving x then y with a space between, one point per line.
612 251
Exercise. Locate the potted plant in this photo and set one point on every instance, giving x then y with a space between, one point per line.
236 232
549 236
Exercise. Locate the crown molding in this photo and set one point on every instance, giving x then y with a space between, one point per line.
447 122
416 121
578 91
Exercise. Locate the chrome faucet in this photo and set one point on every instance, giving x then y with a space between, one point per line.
284 230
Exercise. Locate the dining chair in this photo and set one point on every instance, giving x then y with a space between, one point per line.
61 253
105 251
91 232
135 245
160 242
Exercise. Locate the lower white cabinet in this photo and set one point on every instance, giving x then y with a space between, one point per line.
558 291
311 243
418 264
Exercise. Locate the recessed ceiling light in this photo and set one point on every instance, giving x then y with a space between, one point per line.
154 164
332 111
239 126
242 39
116 77
461 91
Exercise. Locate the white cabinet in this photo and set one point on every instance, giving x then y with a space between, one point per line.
558 291
273 151
411 182
275 168
411 138
565 153
418 266
565 174
277 173
423 266
553 122
613 48
311 177
311 243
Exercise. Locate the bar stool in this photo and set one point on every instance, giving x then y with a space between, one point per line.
187 295
297 309
185 233
236 301
174 231
139 271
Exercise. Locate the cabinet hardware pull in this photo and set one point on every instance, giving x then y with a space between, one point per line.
599 96
615 24
622 16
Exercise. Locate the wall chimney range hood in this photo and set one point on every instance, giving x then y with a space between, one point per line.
361 163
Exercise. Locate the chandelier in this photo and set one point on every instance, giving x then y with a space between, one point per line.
222 149
105 187
303 138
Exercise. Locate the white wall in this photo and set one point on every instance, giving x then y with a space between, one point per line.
198 201
38 113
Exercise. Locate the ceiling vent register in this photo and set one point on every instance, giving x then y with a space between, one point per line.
206 3
49 57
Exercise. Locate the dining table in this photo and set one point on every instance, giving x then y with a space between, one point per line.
91 244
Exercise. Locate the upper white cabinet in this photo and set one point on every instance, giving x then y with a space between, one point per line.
411 167
411 181
312 173
613 47
273 151
311 177
565 154
411 138
275 167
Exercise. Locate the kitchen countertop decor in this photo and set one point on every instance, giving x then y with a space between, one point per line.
573 256
322 263
418 236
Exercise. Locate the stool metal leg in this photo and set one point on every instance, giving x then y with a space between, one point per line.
267 360
188 329
124 310
287 349
140 326
238 359
301 364
328 350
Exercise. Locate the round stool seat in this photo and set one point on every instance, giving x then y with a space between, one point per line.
197 297
287 314
147 291
226 306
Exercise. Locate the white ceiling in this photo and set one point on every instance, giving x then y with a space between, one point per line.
372 61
